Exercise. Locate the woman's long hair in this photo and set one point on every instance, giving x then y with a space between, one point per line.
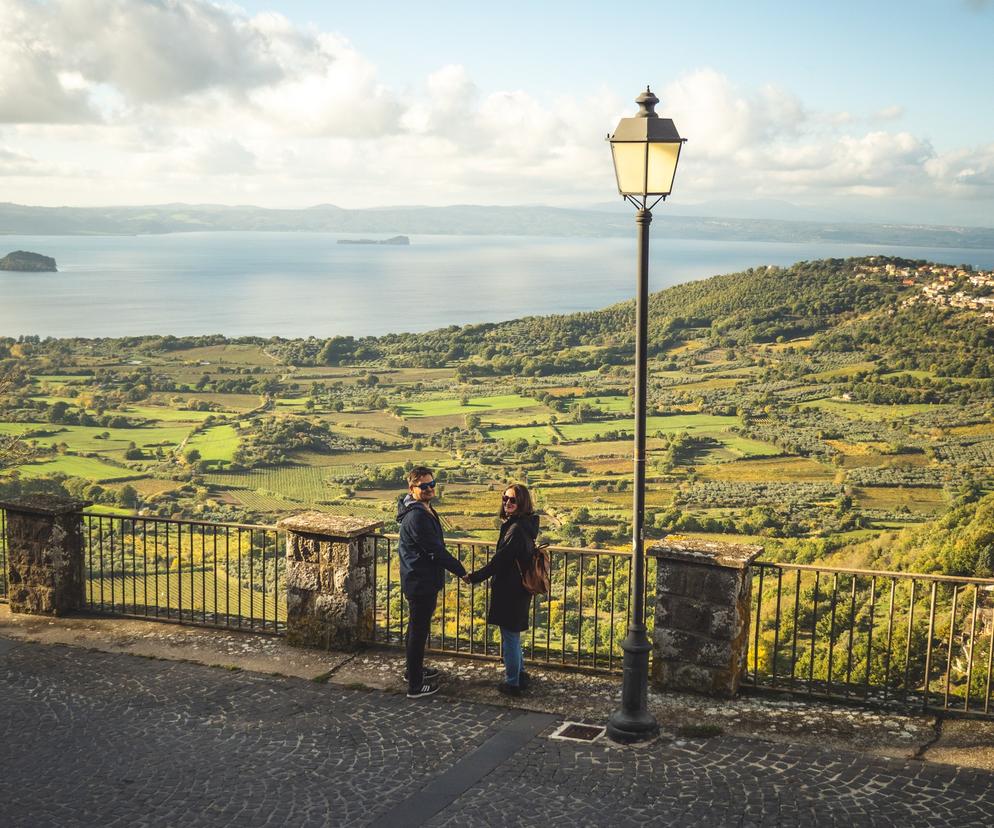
523 497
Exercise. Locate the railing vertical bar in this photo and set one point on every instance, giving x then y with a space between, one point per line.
597 573
472 601
548 614
444 591
89 569
193 587
610 650
562 649
969 660
459 584
134 565
239 578
990 671
155 540
890 636
145 568
227 576
852 624
869 638
831 632
928 646
110 565
389 566
776 627
907 644
262 576
178 555
793 646
100 540
814 636
579 602
214 565
755 644
949 647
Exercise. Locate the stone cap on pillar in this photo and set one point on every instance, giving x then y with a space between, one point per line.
329 526
43 504
709 553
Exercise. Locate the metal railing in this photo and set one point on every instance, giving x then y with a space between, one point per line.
579 625
3 555
908 640
211 574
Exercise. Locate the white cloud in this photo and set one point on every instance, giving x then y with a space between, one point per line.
163 100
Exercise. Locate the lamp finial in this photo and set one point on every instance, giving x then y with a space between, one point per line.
647 104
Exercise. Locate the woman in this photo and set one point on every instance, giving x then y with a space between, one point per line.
509 601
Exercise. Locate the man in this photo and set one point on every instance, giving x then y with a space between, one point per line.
423 561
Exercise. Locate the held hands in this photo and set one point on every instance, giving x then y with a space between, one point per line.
465 579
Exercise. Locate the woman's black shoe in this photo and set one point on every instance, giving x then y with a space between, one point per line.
508 689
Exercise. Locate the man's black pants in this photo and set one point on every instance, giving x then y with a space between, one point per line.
420 608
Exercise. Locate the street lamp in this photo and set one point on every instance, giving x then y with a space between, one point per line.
645 149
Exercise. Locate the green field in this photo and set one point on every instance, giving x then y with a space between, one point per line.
85 467
871 411
218 443
476 405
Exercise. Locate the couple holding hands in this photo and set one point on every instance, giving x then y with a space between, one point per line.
424 560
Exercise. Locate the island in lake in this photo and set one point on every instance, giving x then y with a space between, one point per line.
22 260
391 240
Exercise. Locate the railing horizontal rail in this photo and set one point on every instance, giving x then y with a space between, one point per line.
880 573
186 521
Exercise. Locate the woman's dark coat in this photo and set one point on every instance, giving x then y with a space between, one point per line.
509 601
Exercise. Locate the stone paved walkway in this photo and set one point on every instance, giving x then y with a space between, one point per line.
91 738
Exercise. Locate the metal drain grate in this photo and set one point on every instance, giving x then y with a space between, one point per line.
577 732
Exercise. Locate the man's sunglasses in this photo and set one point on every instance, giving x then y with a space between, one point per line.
426 486
507 499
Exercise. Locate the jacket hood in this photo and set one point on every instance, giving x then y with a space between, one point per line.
527 522
404 505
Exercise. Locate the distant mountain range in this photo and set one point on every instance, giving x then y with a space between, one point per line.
599 221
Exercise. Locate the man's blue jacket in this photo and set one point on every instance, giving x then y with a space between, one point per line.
423 556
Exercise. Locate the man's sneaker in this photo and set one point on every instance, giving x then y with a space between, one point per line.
509 689
426 689
428 674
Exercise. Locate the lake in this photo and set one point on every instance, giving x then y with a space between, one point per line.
305 284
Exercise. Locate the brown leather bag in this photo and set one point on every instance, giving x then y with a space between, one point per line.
535 574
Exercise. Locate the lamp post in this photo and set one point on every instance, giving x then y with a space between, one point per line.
645 150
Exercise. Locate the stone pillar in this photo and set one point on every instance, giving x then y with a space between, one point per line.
701 632
329 580
44 555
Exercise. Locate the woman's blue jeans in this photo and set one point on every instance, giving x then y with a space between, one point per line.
510 645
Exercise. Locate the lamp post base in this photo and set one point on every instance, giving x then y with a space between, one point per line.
628 728
633 722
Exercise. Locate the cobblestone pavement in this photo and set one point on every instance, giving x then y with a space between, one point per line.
91 738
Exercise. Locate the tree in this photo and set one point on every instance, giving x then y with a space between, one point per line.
127 496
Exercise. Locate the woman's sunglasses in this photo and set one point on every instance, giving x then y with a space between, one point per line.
507 499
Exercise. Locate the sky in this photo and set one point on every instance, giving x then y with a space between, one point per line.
878 111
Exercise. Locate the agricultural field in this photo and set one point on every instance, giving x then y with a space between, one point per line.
754 432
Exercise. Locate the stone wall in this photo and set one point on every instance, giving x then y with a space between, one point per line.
44 555
329 580
701 630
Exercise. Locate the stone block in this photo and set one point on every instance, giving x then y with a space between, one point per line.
330 600
702 615
302 575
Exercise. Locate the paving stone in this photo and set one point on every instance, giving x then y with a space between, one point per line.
89 738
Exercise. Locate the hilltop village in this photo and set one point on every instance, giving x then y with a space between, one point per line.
944 286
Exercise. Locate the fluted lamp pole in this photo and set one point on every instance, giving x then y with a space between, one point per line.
646 149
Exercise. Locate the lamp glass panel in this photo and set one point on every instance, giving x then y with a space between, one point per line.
662 167
629 166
